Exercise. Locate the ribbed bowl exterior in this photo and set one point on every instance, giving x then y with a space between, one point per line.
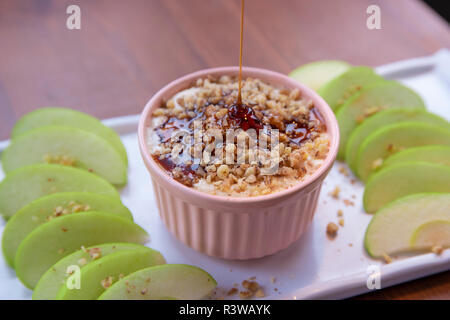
238 234
231 227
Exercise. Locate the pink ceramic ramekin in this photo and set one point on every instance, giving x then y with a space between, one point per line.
236 228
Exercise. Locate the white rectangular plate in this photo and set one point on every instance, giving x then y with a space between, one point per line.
314 267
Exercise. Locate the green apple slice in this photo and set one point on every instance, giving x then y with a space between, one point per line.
49 284
341 88
399 180
102 273
53 240
70 118
53 206
395 137
392 227
433 233
434 154
377 97
26 184
66 145
383 118
316 74
179 281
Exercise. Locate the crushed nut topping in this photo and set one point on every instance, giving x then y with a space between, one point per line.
207 112
387 258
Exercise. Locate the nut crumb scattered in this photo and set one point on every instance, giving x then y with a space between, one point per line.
253 286
82 261
343 170
107 282
260 293
340 213
332 230
437 250
335 192
273 279
232 291
387 258
348 202
341 222
245 294
377 163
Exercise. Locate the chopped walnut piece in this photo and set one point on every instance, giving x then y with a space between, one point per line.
107 282
377 163
341 222
82 262
437 250
260 293
387 258
348 202
232 291
332 230
245 294
343 170
335 192
95 253
250 285
340 213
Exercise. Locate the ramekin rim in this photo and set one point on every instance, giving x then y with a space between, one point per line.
324 109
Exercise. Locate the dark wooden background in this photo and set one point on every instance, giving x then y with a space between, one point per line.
127 50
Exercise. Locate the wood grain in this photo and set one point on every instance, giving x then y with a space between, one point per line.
127 50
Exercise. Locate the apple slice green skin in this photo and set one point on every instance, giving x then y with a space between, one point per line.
433 154
392 226
341 88
89 151
53 240
115 265
52 116
26 184
384 118
179 281
51 281
433 233
316 74
37 212
403 179
386 141
374 98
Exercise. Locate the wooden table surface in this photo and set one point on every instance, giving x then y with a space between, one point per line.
127 50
